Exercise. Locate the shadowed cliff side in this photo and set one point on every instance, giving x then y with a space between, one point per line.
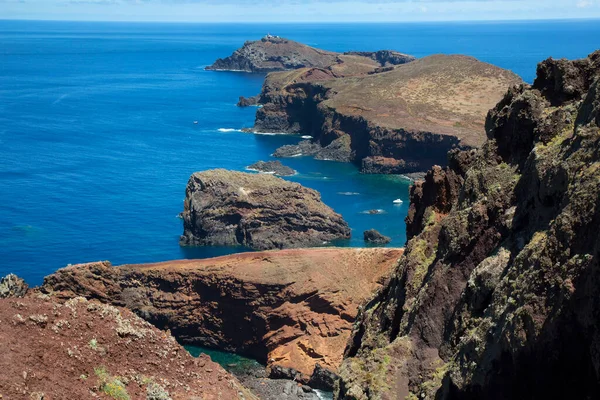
289 308
397 121
495 296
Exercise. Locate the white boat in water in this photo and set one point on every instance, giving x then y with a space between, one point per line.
398 201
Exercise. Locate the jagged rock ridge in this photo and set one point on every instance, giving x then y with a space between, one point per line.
496 294
278 54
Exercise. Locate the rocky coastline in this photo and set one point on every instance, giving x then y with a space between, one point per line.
273 53
495 288
289 309
401 121
272 167
230 208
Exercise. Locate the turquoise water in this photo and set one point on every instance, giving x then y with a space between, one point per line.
237 364
97 139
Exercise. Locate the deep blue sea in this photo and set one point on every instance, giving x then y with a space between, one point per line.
97 139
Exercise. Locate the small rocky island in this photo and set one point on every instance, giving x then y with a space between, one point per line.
262 212
273 53
272 167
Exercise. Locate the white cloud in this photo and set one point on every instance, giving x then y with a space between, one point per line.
584 3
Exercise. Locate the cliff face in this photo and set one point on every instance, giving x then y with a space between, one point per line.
83 349
290 308
399 121
279 54
258 211
495 296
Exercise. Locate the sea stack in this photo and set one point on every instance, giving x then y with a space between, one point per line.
261 212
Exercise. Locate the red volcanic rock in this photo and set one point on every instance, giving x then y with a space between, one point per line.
292 308
84 349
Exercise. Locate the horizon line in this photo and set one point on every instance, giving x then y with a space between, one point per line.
281 22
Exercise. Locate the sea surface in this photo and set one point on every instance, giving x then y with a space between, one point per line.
97 133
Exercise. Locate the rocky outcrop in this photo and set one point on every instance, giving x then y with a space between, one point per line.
248 101
289 308
273 53
12 286
257 211
83 349
495 295
400 121
372 236
272 167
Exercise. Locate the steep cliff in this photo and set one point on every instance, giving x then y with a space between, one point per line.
496 296
403 120
289 308
81 349
273 53
258 211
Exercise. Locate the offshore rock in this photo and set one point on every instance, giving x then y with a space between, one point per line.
495 296
248 101
289 308
374 237
257 211
272 167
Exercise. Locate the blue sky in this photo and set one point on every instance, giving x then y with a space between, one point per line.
297 10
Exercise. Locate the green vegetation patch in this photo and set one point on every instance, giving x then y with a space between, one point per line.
112 386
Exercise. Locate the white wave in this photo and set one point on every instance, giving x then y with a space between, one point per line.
306 137
398 201
323 395
229 130
349 193
60 98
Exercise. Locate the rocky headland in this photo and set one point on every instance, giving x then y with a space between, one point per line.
291 309
273 53
272 167
258 211
80 349
400 121
495 296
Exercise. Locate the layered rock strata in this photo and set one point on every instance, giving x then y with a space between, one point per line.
495 296
403 120
289 308
257 211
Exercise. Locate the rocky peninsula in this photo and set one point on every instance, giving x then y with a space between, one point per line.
291 309
400 121
258 211
272 53
495 296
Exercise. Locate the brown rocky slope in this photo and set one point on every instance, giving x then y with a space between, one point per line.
496 294
402 120
291 308
83 349
258 211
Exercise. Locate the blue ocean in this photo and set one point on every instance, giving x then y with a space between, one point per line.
97 133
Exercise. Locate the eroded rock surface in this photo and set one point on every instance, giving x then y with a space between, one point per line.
258 211
400 121
291 308
496 294
83 349
12 286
